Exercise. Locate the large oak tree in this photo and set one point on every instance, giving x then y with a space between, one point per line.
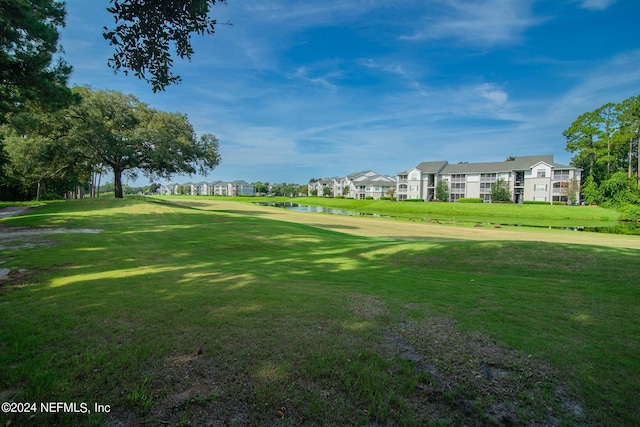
125 135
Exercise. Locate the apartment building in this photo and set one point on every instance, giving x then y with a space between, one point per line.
530 178
215 188
359 185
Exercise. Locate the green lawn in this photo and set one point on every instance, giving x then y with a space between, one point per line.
174 314
529 214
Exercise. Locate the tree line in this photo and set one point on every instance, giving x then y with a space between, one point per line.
46 152
606 143
54 137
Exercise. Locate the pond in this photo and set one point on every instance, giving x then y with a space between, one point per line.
305 208
629 228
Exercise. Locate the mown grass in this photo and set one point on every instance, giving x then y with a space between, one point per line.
517 214
175 314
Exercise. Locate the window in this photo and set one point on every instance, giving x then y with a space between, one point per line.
561 175
540 187
413 188
414 176
485 187
488 177
542 173
458 177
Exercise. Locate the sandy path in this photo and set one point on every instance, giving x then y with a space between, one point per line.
405 230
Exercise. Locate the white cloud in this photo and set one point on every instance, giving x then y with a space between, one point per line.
302 73
493 93
487 22
613 81
595 4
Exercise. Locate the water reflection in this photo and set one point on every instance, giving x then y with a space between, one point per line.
305 208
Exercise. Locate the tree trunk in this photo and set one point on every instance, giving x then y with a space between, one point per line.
630 157
117 184
638 158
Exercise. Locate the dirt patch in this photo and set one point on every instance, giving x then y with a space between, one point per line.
467 378
14 211
15 238
475 381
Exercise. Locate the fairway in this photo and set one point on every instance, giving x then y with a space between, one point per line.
413 230
170 311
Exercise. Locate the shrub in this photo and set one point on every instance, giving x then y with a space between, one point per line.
531 202
630 213
369 198
414 200
470 200
386 198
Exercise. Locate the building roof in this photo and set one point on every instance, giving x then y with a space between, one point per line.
432 167
518 164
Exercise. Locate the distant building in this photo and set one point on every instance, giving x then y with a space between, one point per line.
215 188
530 178
359 185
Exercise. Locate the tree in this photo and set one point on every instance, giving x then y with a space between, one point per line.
326 191
582 137
629 117
442 190
619 190
500 191
143 35
145 30
28 42
127 136
261 188
391 193
40 155
607 118
591 192
570 190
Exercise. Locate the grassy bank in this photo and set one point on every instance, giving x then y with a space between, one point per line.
522 214
173 314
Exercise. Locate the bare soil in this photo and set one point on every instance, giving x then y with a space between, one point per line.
13 238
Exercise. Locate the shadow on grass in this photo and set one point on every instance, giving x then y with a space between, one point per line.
246 316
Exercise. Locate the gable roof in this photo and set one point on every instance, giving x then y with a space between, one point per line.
432 167
518 164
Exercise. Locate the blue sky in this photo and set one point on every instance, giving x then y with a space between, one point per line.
302 89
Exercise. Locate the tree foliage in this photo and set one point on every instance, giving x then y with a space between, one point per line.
125 135
500 191
145 31
106 130
606 140
28 42
442 190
